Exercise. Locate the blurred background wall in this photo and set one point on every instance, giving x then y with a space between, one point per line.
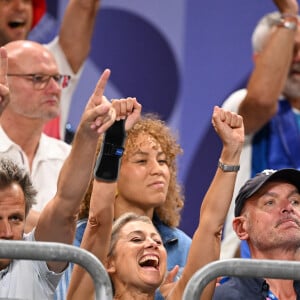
179 58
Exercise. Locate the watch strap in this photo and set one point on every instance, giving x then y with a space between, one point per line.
228 168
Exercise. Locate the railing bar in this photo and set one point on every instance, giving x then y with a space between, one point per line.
260 268
49 251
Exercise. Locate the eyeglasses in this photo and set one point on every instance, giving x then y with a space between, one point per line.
40 81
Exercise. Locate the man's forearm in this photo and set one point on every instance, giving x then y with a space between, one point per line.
77 29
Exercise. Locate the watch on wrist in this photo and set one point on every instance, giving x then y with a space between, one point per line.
288 24
228 168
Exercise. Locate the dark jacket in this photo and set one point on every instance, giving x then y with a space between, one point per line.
247 289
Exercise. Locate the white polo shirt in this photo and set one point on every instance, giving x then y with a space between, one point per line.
26 279
49 158
65 69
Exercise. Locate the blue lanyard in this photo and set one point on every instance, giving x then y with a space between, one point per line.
271 296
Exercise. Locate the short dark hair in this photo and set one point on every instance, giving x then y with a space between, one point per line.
11 173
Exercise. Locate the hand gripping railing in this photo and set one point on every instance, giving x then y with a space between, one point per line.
61 252
238 267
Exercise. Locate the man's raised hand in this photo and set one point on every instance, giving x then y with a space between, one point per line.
99 113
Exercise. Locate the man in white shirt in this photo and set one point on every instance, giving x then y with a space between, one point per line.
70 48
270 105
35 91
37 279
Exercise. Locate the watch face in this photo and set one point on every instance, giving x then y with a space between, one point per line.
228 168
288 24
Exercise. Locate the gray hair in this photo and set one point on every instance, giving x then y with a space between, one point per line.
263 29
11 173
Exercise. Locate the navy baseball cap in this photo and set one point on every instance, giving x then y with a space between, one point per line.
254 184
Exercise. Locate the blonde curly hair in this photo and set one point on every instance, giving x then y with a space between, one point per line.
150 124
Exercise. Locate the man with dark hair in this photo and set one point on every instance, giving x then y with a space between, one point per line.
11 173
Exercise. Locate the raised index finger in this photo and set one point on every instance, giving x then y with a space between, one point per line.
99 89
3 66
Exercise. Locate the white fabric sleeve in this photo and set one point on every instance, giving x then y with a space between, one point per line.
67 93
48 279
231 242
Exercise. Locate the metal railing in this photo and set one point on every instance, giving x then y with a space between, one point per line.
238 267
48 251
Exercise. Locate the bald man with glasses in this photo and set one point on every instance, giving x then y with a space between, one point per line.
40 81
35 92
30 279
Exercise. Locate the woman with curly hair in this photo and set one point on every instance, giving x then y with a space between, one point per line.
150 142
147 185
131 247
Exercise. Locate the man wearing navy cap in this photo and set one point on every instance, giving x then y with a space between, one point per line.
267 216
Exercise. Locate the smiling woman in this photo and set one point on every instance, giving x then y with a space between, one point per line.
147 182
130 234
132 249
147 185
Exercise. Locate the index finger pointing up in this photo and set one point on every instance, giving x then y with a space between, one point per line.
3 66
99 89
